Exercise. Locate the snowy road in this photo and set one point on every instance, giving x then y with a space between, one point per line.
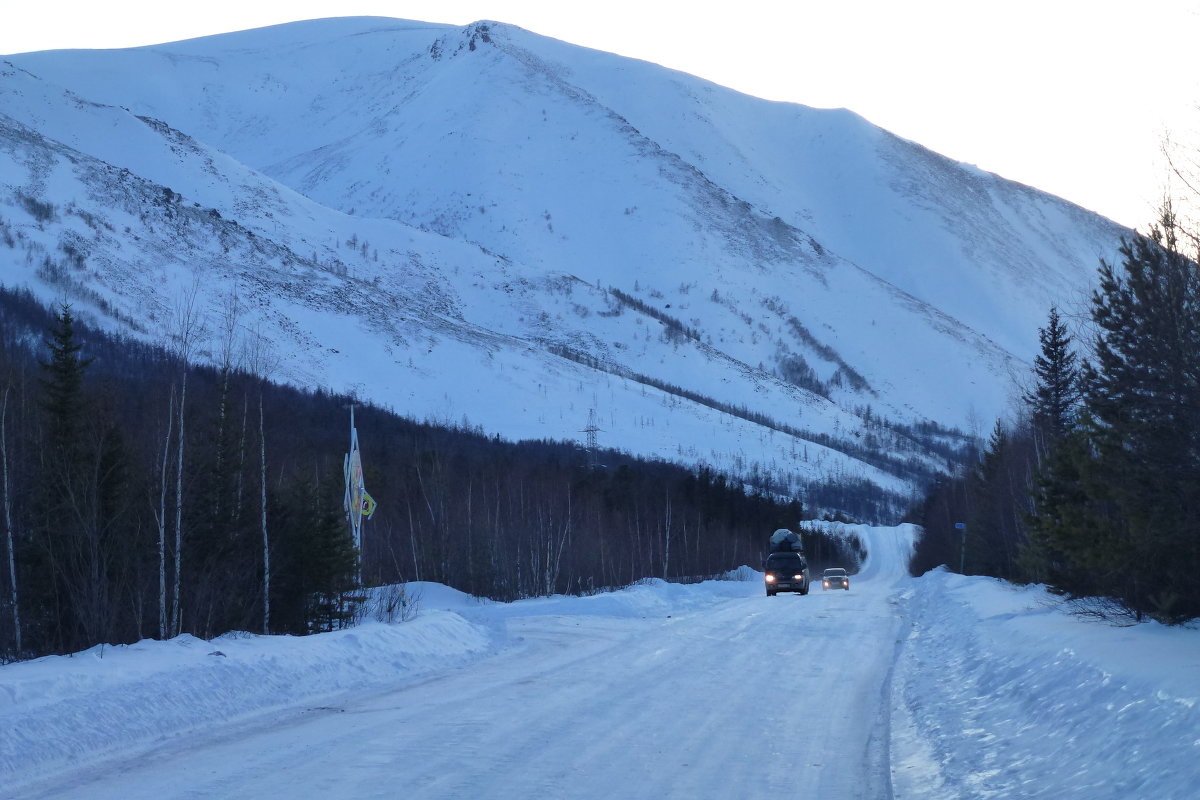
657 690
750 697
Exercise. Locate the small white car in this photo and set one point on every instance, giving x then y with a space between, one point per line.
835 578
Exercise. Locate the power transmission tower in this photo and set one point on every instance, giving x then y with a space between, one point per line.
591 430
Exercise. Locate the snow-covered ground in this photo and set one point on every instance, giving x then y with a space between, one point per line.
937 687
1002 694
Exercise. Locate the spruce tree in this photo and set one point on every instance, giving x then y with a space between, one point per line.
1053 406
63 492
1053 401
62 388
1074 531
1143 398
314 564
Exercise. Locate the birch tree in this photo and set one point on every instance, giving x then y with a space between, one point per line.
666 564
160 516
8 526
189 328
229 319
262 361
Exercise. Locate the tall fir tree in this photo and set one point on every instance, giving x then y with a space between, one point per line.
314 561
1053 406
1143 395
1075 532
60 530
1053 402
62 388
1117 500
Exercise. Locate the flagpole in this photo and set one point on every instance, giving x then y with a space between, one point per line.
353 499
358 502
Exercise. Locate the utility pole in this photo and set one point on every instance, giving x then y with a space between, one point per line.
962 560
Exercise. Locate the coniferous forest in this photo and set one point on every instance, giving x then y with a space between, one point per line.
146 498
1095 491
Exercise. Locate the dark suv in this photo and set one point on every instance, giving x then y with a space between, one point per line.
786 572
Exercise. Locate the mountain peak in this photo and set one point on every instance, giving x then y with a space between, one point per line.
510 243
470 38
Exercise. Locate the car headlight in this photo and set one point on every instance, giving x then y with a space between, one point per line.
770 579
798 577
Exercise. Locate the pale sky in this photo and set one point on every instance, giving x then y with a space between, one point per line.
1070 96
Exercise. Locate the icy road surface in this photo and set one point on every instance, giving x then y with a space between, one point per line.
749 697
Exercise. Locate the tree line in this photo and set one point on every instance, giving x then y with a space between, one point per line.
145 496
1095 489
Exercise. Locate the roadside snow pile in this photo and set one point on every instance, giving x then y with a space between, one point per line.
744 574
650 597
60 712
1000 693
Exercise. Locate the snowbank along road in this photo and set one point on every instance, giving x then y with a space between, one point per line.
738 696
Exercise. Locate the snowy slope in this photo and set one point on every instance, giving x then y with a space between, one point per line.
429 123
937 687
418 210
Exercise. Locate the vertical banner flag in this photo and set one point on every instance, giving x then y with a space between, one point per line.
358 503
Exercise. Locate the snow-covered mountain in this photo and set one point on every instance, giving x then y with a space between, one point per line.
487 227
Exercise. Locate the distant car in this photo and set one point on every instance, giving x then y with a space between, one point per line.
835 578
786 572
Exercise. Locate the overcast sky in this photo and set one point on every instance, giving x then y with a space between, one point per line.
1071 96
